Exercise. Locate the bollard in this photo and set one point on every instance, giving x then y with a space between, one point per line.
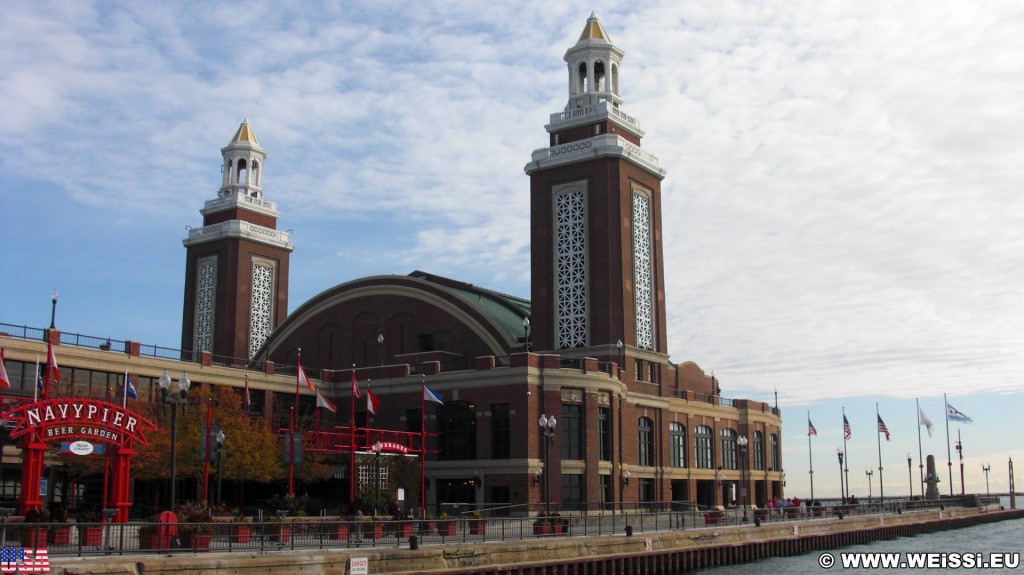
757 521
414 542
839 515
629 530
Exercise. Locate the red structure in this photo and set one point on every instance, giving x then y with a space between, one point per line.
72 418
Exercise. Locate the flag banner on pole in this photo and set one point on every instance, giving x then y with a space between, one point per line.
248 400
355 386
882 428
5 382
431 395
810 428
953 414
325 403
846 428
371 401
927 423
129 390
304 379
52 373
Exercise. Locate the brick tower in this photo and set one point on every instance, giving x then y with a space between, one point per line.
236 266
595 209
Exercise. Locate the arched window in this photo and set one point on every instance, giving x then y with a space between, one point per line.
729 449
456 430
645 441
703 454
242 174
773 454
677 443
758 450
255 174
581 78
600 80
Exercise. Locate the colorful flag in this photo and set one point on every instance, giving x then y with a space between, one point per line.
304 379
24 560
927 423
810 428
325 403
355 386
52 372
371 401
5 382
431 395
882 427
246 398
953 414
846 428
129 390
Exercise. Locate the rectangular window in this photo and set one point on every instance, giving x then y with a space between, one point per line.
571 266
501 431
605 485
642 272
604 433
572 427
677 442
572 492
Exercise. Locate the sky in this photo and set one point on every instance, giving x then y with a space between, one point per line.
843 221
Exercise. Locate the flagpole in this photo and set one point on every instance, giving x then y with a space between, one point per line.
920 451
878 436
949 454
810 457
35 384
352 440
291 453
124 392
423 447
847 452
298 374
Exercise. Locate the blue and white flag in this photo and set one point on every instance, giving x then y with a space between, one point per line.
129 390
431 395
953 414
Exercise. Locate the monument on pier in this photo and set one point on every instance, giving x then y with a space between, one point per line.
932 480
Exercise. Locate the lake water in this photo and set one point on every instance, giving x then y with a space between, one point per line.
1000 537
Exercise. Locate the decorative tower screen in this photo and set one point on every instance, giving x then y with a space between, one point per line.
206 291
571 269
260 309
642 271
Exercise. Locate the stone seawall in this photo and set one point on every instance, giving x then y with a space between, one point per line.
663 552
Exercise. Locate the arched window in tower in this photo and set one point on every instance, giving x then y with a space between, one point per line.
581 78
600 80
242 175
255 177
615 79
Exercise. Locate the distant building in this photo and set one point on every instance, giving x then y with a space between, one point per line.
588 349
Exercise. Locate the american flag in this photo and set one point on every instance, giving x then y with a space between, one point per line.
846 428
810 428
882 428
22 560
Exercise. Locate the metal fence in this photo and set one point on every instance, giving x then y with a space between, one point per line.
322 532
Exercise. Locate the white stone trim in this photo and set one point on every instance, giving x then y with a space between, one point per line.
238 229
605 145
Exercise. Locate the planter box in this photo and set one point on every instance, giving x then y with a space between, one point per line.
338 531
404 529
373 530
280 533
158 539
241 533
714 518
34 537
61 535
446 528
478 526
90 535
197 541
544 529
427 526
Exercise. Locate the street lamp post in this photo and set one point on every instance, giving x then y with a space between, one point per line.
742 443
619 346
910 476
986 468
526 332
869 473
547 426
53 310
174 394
380 348
842 492
220 462
377 447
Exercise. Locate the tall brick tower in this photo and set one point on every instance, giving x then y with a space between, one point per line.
236 266
595 209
